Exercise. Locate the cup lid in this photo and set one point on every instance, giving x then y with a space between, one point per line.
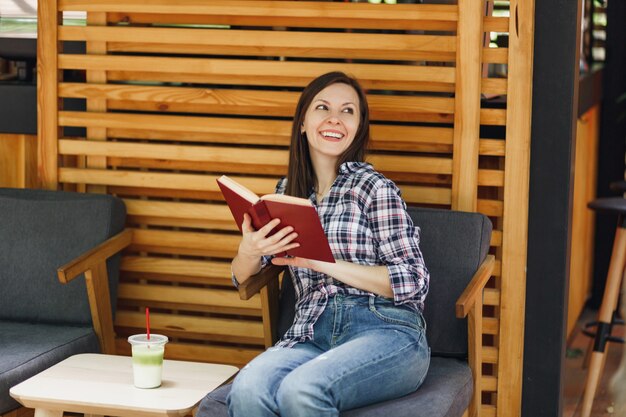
142 339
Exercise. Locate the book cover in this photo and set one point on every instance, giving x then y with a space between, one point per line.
292 211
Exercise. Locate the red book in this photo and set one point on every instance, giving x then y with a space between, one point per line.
292 211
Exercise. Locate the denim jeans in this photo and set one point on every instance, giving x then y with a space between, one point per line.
365 350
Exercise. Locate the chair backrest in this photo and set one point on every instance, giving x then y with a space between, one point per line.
454 244
39 232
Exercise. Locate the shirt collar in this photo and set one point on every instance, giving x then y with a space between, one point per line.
351 167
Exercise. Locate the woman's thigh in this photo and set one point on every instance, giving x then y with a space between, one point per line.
374 366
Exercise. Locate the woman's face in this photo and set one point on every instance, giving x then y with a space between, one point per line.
331 121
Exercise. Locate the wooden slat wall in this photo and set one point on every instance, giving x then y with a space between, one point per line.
176 94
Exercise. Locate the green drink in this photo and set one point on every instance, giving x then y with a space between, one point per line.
147 359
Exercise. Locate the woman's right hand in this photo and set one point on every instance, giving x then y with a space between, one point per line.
257 243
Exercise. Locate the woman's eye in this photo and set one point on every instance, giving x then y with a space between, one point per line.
321 107
348 110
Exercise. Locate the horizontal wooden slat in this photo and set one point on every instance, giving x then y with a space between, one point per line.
491 177
210 216
492 297
191 324
411 139
491 326
209 243
194 268
175 152
224 77
496 238
490 207
488 410
212 128
490 354
496 86
491 147
281 22
231 355
186 129
322 14
255 72
495 55
493 117
496 24
412 194
245 102
488 383
415 164
186 295
266 43
239 156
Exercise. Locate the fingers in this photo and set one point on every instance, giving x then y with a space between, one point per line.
265 230
257 243
246 226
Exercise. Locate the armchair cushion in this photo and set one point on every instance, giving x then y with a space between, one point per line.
42 230
454 244
446 392
27 349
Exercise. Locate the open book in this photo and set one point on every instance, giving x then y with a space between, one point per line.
292 211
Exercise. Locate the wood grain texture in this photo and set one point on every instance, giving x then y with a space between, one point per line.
48 19
515 215
467 111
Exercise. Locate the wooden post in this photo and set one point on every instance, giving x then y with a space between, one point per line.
47 96
467 105
515 217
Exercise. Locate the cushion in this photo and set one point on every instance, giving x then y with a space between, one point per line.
27 349
42 230
454 244
446 392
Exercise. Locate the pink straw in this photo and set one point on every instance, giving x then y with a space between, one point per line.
148 322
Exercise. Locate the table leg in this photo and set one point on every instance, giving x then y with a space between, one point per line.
40 412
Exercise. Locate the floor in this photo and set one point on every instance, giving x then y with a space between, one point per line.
575 373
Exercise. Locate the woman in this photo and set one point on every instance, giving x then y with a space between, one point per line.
358 335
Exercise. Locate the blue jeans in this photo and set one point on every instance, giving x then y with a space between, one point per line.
365 350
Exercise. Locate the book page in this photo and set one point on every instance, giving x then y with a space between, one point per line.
244 192
288 199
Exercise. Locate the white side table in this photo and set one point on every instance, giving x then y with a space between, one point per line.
99 385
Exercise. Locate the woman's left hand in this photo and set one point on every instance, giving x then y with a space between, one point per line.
301 263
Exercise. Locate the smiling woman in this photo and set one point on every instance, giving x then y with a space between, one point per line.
358 336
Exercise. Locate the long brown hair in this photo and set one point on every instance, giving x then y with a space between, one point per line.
300 174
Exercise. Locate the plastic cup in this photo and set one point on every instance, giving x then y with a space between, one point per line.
147 359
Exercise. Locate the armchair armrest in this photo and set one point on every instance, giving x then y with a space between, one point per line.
470 305
254 284
97 255
93 264
474 289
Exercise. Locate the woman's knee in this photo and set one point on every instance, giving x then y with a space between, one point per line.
248 391
301 393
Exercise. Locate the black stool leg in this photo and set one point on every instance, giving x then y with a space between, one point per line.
609 303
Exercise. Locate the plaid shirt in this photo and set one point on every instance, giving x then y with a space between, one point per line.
366 223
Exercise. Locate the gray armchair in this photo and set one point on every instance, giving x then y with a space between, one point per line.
455 246
47 237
